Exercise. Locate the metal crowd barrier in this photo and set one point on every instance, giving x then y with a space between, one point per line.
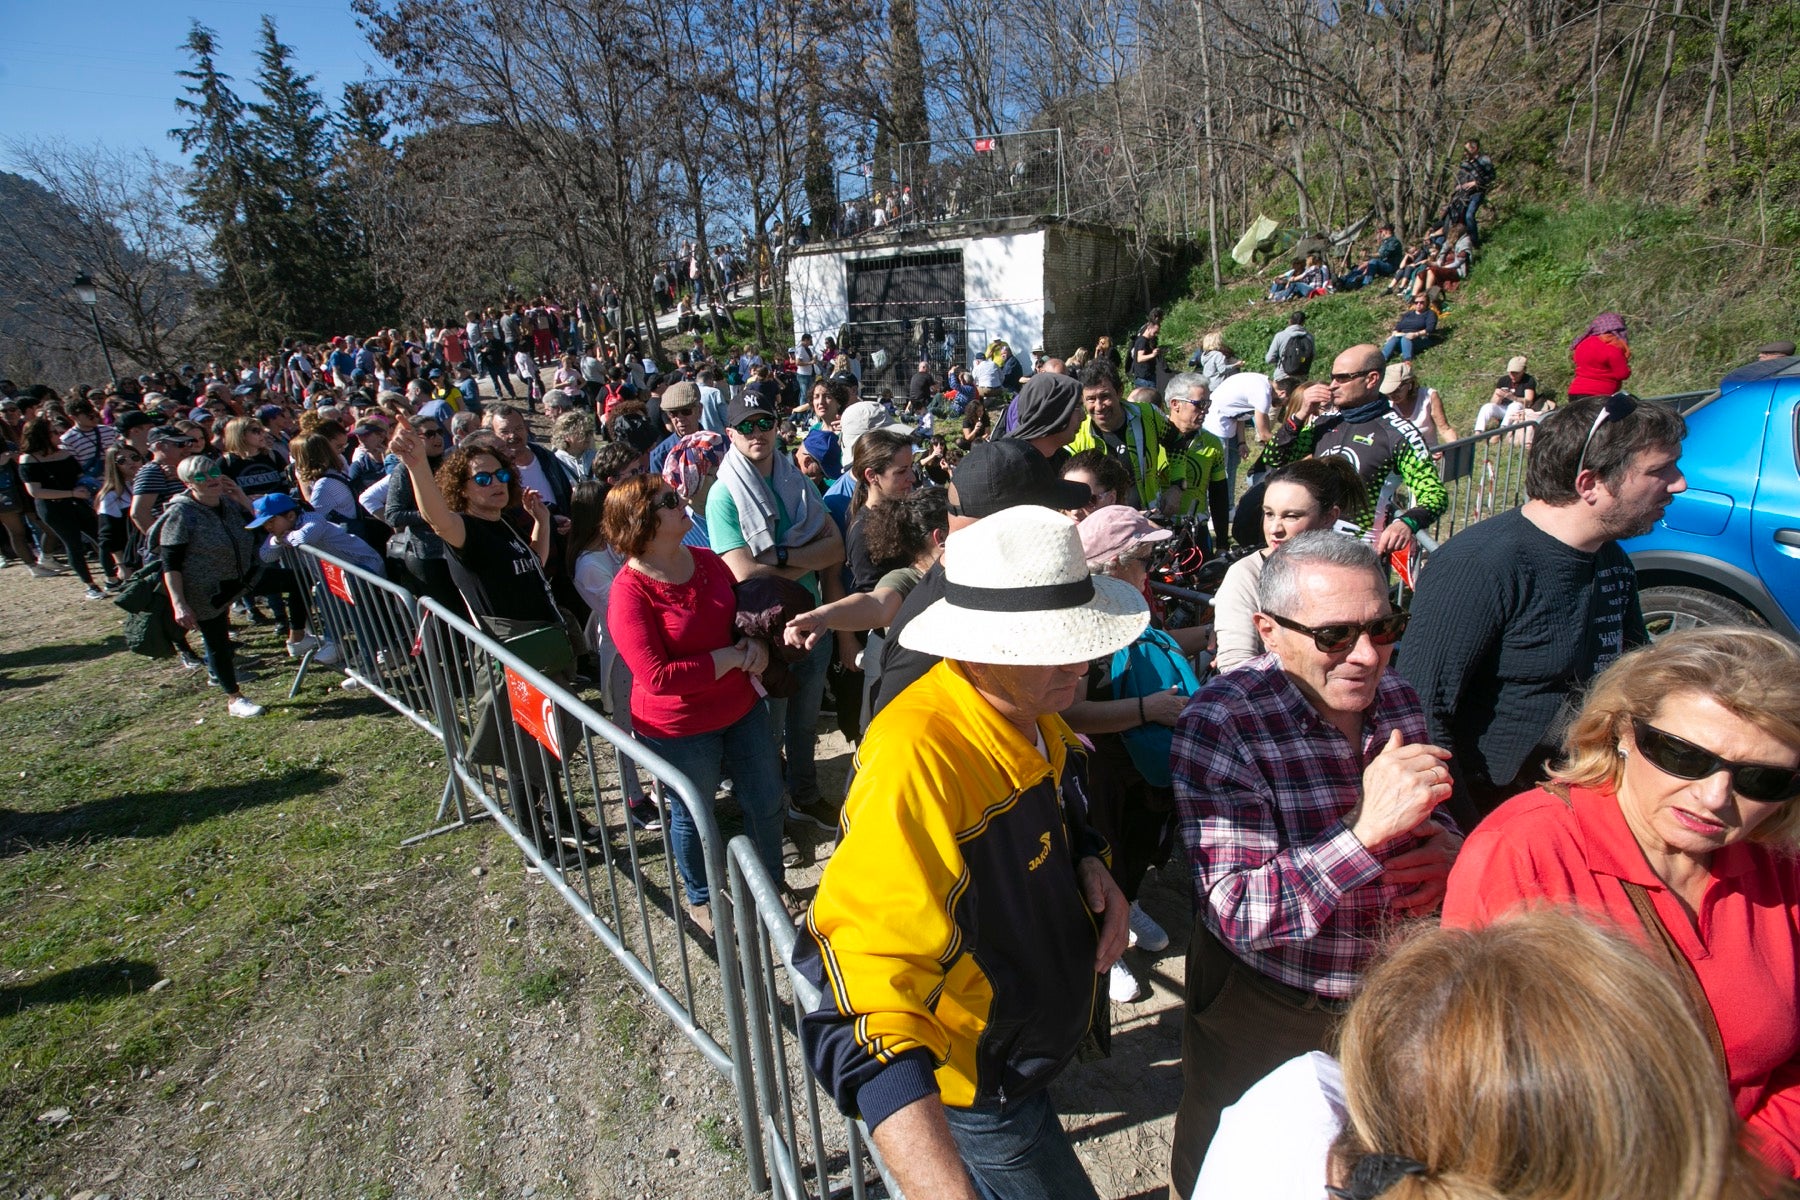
374 625
530 752
807 1151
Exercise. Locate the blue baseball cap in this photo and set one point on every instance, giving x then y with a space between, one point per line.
272 505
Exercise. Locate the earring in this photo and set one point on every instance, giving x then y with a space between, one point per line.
1621 749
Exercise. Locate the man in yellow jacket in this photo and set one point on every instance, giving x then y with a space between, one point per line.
1131 430
963 925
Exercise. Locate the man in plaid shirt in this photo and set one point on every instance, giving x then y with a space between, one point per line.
1306 796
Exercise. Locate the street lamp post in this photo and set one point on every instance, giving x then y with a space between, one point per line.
88 294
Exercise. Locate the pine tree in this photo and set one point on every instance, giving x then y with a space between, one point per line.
315 265
220 192
271 190
820 183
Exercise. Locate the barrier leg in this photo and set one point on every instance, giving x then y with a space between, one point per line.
452 797
300 675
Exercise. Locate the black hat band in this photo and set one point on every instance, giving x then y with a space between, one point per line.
1042 598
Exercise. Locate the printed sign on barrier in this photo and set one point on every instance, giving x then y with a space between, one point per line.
533 711
334 580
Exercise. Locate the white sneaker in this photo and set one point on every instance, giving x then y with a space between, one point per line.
302 644
242 707
1146 934
1122 985
329 655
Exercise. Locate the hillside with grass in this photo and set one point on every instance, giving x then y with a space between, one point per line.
1697 295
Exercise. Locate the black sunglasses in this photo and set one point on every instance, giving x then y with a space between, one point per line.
750 425
1342 635
668 500
483 478
1684 760
1347 376
1616 408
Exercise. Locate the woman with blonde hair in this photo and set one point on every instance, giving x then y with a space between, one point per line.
1216 360
1673 817
1539 1058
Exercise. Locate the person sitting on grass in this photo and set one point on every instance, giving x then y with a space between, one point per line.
1413 331
1385 261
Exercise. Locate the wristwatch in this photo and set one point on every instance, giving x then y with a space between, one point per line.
781 556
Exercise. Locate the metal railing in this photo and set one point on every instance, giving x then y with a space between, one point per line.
372 625
530 752
808 1146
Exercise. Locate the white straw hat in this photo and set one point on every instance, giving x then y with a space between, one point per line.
1017 592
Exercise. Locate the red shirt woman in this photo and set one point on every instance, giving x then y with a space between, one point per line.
672 614
1682 778
1602 357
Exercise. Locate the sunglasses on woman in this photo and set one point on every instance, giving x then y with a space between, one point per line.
483 478
668 500
1342 635
752 425
1684 760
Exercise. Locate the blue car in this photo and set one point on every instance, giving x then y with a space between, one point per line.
1727 551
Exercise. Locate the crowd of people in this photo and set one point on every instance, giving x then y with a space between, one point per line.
726 549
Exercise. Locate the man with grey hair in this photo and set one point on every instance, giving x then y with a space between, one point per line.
1198 484
1306 797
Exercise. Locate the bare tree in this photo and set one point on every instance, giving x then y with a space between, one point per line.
113 216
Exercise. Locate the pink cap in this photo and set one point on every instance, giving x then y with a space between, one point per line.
1109 532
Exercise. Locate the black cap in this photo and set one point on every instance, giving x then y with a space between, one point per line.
132 420
751 403
635 429
995 476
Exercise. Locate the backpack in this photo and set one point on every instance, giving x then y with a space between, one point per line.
1149 665
1296 355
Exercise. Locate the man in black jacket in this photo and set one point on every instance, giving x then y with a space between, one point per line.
538 466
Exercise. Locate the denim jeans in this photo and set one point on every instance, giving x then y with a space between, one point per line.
1404 345
1467 214
796 721
1019 1151
745 749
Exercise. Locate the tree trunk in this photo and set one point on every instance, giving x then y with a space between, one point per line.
1662 88
1211 166
1587 154
1718 69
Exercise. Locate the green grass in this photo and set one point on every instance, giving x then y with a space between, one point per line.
164 869
1697 293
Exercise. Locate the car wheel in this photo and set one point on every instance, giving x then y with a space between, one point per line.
1667 609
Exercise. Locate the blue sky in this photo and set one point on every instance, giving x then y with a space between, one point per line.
104 70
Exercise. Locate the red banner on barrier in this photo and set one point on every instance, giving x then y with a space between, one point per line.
334 580
533 711
983 145
1402 562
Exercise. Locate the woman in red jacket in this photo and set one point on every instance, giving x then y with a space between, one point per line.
1602 357
1675 818
672 612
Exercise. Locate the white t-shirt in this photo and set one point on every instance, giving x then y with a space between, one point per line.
533 477
987 373
1275 1142
1236 398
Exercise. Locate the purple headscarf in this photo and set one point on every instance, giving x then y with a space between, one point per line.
691 460
1606 322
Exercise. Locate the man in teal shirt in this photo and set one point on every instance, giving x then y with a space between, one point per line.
764 517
